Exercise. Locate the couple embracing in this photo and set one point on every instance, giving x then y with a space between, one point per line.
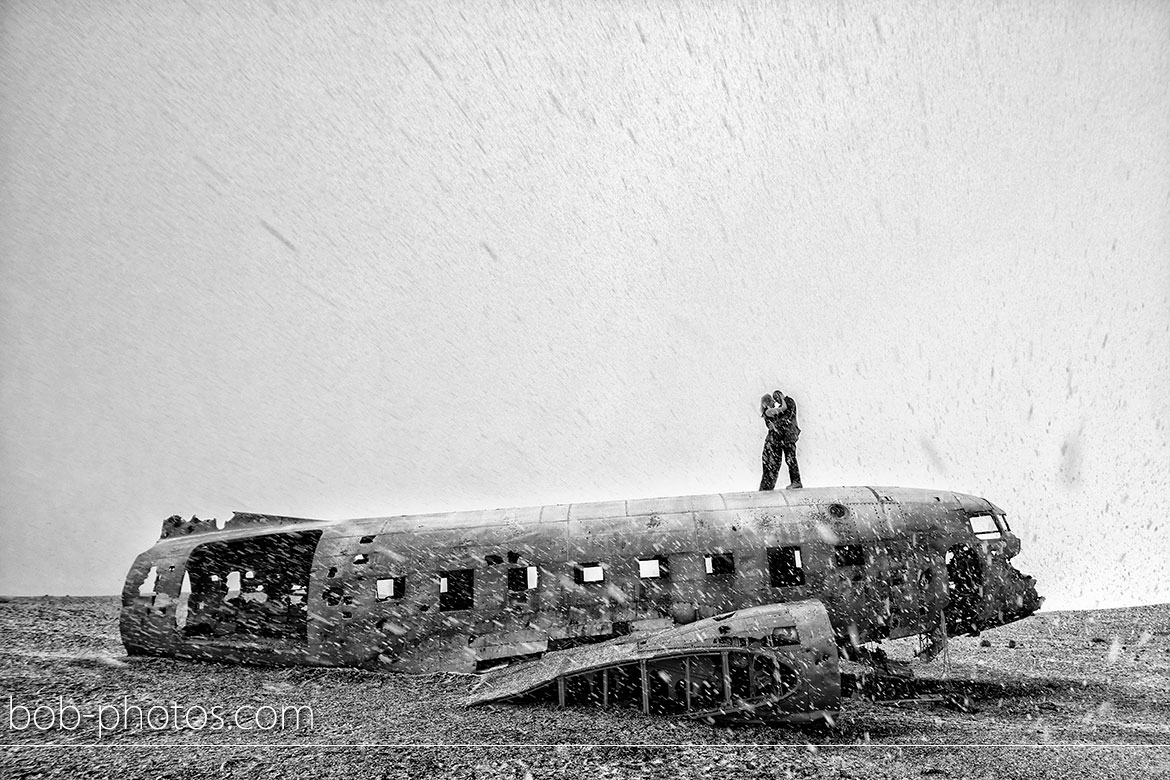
779 413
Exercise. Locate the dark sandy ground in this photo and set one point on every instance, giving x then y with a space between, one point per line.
1073 694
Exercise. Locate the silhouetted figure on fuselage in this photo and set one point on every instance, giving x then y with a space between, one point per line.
779 413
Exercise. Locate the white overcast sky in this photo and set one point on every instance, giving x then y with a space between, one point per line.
344 259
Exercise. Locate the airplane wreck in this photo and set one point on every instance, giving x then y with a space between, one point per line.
729 607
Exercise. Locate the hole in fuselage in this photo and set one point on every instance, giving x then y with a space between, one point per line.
148 585
965 589
251 589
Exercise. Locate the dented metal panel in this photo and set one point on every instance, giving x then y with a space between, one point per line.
793 642
603 510
772 499
674 505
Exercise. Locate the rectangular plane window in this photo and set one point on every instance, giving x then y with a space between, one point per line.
785 567
849 555
719 564
521 578
654 568
456 590
984 527
391 588
588 573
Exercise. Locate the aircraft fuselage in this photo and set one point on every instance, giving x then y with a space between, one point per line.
466 590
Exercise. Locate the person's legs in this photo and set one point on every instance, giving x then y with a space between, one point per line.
771 463
793 466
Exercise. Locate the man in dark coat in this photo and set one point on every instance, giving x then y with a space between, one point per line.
779 413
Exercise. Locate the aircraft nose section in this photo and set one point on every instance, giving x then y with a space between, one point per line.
1021 597
1010 595
986 591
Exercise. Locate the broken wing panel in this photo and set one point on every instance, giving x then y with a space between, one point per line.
775 663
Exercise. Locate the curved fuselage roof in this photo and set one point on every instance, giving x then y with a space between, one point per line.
591 513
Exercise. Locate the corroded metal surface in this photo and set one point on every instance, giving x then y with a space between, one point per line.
463 591
692 669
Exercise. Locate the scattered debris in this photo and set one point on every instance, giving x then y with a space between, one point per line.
742 667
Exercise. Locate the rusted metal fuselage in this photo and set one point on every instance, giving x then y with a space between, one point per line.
465 591
762 664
